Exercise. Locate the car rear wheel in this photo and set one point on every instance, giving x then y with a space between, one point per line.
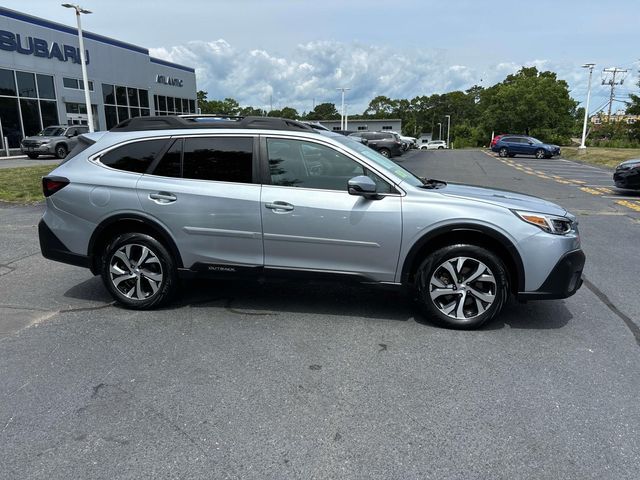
540 153
32 156
61 151
384 152
462 286
139 271
440 148
503 152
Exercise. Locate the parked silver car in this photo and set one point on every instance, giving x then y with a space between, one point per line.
55 140
159 198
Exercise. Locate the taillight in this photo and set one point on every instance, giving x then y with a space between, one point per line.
51 185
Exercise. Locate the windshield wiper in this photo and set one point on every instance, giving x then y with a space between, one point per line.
432 183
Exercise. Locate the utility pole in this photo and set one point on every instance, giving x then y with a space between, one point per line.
612 83
448 129
440 131
586 108
342 89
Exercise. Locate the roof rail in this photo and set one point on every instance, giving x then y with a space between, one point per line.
172 122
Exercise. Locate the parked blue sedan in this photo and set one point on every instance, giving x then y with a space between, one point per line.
512 145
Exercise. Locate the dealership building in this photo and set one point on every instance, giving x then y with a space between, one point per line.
41 79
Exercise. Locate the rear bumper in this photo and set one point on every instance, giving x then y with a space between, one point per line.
564 280
53 249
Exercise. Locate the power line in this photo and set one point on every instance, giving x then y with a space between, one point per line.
609 78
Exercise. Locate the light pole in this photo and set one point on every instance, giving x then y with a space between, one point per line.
342 89
448 129
83 63
586 110
440 131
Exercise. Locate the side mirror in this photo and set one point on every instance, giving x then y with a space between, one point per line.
362 186
530 143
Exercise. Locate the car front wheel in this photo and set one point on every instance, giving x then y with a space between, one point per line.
61 151
503 152
138 271
462 286
540 153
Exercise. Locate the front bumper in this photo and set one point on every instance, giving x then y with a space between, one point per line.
564 280
627 178
39 149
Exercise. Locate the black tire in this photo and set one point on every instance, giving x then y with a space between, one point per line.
493 283
385 152
143 288
32 156
503 152
540 153
440 148
61 151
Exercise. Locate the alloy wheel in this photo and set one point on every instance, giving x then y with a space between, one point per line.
462 288
135 271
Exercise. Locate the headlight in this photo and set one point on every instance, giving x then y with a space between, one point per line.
548 223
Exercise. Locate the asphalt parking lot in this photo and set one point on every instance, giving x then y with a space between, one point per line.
290 380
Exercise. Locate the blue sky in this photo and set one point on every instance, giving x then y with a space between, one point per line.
297 52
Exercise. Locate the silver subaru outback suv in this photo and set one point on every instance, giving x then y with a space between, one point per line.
157 199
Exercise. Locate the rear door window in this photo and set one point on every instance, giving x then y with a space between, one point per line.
221 159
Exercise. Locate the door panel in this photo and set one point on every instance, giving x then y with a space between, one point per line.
329 230
311 222
211 222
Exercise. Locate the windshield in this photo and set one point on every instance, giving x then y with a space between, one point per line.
380 160
534 140
51 132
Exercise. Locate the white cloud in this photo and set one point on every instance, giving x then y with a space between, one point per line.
314 70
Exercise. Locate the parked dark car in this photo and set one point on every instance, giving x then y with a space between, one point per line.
512 145
385 143
627 174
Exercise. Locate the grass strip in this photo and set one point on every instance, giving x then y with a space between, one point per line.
23 184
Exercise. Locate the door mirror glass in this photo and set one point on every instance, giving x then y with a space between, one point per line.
362 186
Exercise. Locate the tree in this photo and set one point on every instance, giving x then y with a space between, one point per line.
201 95
380 107
529 102
324 111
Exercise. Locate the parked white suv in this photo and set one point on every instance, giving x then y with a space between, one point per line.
434 145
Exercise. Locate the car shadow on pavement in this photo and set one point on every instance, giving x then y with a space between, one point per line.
543 315
250 297
91 290
312 297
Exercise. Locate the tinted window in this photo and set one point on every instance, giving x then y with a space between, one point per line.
30 117
121 95
26 84
108 94
144 98
49 112
133 157
45 87
223 159
10 121
70 82
133 97
111 116
82 130
170 165
7 83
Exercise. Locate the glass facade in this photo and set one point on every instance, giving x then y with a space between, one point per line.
173 105
122 102
27 104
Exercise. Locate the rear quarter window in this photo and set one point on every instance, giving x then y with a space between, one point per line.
134 157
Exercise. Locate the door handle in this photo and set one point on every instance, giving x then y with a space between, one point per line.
281 206
163 198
